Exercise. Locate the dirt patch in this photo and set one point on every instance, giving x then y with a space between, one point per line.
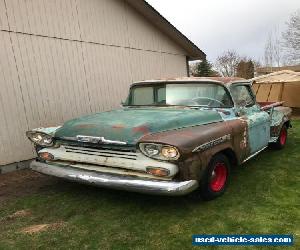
16 215
42 228
21 183
19 214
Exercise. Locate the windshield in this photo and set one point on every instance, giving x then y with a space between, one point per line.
185 94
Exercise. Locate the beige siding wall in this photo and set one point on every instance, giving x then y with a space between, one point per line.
60 59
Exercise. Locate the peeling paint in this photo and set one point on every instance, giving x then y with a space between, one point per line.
139 121
144 129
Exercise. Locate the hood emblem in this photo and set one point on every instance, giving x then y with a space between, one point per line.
97 140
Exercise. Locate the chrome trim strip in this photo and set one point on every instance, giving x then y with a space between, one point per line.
212 143
119 182
110 151
255 154
99 152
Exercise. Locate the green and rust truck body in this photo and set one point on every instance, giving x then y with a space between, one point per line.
170 137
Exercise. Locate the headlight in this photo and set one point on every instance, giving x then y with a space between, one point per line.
169 152
40 138
159 151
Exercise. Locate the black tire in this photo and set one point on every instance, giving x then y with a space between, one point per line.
213 183
281 141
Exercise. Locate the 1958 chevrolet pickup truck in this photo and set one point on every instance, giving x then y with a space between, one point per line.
171 137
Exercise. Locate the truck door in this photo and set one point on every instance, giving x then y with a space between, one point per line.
258 121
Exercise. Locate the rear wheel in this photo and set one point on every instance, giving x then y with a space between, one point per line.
215 179
281 141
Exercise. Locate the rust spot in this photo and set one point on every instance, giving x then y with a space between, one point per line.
141 129
187 133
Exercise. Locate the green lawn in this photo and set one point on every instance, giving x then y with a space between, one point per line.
263 197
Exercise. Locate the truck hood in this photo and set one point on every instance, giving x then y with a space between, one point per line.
129 125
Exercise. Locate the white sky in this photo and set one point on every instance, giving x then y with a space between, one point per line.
219 25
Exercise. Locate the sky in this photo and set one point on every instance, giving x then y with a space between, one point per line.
219 25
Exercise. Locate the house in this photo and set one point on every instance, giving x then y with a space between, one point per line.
65 58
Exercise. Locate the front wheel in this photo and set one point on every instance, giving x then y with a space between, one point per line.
215 178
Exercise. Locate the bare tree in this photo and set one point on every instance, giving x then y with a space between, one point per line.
277 48
227 63
268 53
273 49
291 39
193 67
257 64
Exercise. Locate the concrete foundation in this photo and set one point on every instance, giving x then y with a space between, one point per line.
14 166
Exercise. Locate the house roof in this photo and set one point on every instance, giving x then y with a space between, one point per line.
194 53
279 76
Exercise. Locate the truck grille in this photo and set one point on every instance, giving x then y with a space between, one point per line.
102 152
76 144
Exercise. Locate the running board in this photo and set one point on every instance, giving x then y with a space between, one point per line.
255 154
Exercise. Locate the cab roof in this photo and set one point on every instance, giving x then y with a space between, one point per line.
226 81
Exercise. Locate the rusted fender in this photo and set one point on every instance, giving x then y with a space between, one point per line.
280 116
198 144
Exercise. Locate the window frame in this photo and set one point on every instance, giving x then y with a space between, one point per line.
249 89
157 86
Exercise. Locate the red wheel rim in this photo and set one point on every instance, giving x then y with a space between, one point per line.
283 136
218 177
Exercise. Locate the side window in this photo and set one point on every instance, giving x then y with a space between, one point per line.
143 96
224 97
242 96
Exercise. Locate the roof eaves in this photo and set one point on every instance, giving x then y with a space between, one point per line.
193 52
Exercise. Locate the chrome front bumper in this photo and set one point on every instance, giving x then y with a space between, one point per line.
120 182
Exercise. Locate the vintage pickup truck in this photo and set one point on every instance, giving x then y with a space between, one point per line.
170 137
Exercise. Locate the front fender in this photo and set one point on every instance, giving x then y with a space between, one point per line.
198 144
280 116
193 167
49 130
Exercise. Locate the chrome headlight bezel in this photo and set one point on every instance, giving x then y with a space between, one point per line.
40 138
158 151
